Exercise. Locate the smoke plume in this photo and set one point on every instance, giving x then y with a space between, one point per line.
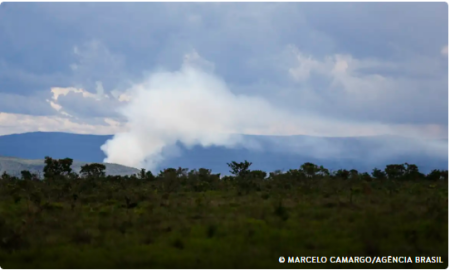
193 106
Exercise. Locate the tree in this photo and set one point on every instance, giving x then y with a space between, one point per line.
354 174
55 168
239 169
412 172
366 177
65 165
169 172
395 171
274 174
258 174
310 169
204 175
323 171
146 175
27 175
435 175
204 172
378 174
342 174
93 170
182 172
5 176
142 174
149 176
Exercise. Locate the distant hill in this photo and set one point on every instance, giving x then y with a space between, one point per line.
38 145
14 166
275 152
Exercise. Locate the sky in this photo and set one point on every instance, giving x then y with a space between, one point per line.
202 73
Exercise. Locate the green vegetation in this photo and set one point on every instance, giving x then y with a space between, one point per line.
196 219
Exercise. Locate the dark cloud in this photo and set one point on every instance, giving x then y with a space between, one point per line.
118 43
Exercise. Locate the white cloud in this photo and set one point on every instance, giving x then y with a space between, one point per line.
19 123
80 104
54 105
63 91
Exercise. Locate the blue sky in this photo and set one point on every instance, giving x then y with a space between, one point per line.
196 72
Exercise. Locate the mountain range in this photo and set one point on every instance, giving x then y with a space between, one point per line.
270 153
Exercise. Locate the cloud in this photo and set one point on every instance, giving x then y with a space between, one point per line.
335 79
368 89
61 91
32 105
96 65
193 106
85 106
55 105
19 123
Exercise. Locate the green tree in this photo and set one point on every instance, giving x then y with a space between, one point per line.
323 171
365 176
342 174
142 174
378 174
93 170
146 175
412 172
182 172
26 175
55 168
168 172
275 174
149 176
354 174
395 171
204 172
258 174
435 175
5 176
239 169
310 169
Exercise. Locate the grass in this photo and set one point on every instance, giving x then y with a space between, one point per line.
139 225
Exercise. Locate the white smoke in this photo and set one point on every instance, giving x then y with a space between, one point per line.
193 106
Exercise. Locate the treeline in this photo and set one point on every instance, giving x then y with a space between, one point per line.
241 172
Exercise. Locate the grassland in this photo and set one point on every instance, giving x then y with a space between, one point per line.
182 222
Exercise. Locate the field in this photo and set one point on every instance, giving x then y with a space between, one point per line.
196 220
